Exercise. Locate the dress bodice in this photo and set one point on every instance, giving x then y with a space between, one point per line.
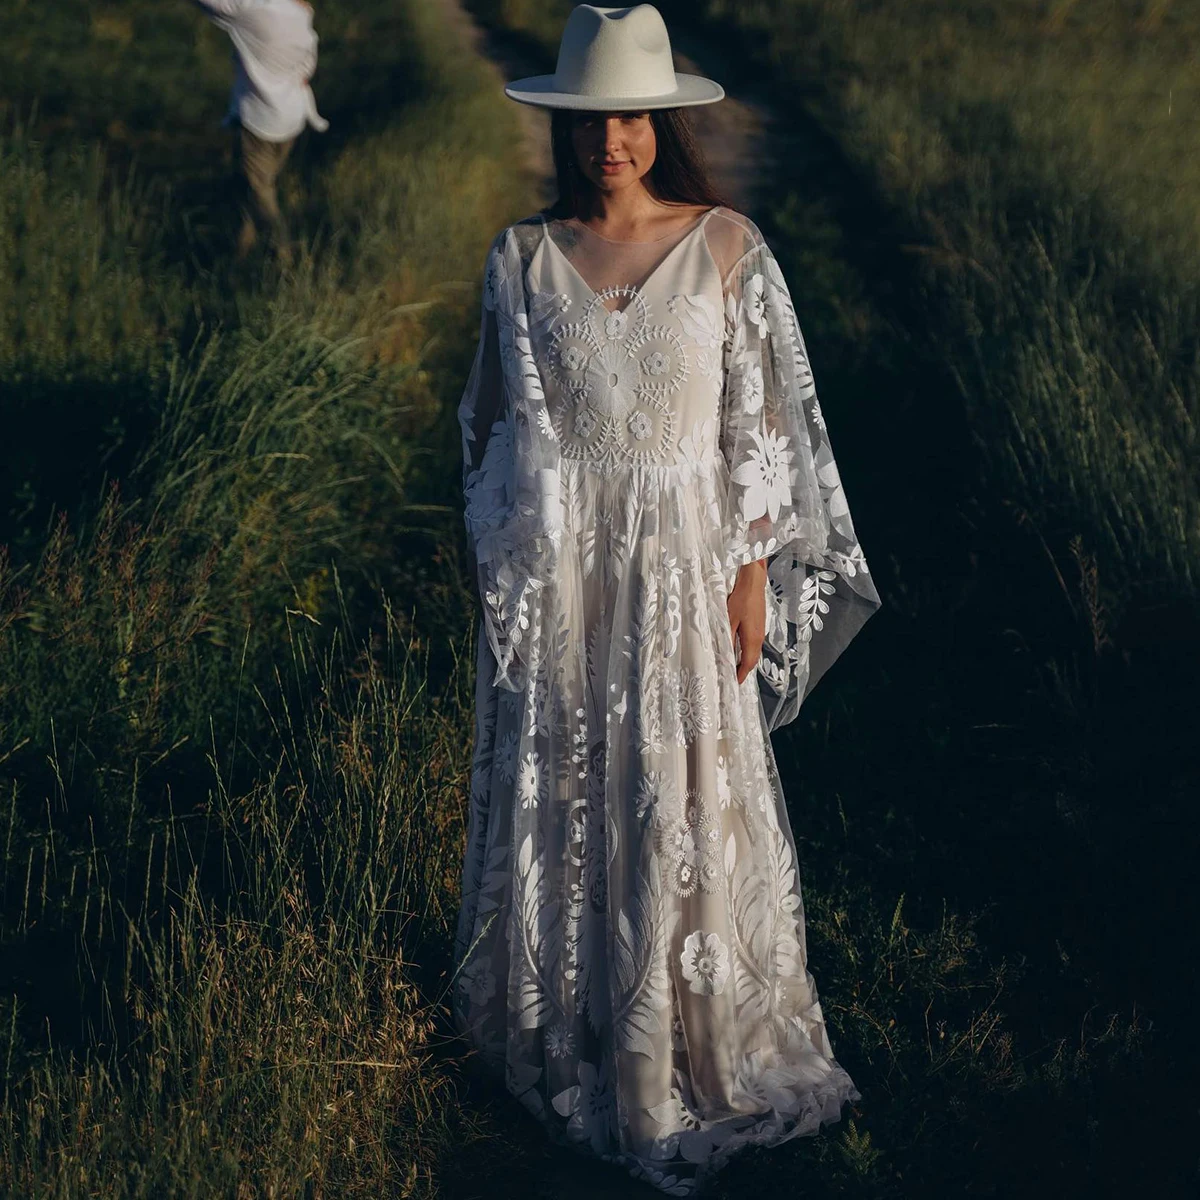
630 368
642 409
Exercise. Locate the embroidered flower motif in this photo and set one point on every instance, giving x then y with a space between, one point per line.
692 704
529 780
691 847
589 1106
684 1134
546 425
640 426
655 799
574 358
818 416
684 703
764 1081
765 474
614 363
752 389
657 363
477 980
705 962
615 324
612 379
584 423
754 301
559 1041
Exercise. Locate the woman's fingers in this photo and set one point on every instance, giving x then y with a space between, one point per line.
749 659
734 624
747 628
751 648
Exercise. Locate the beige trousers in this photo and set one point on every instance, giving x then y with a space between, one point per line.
257 164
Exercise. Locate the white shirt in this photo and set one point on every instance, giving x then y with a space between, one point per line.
276 53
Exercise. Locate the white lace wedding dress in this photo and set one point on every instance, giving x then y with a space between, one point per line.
639 422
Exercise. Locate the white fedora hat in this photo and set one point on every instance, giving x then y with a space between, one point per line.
615 59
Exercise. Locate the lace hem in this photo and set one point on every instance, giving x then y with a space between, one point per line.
819 1106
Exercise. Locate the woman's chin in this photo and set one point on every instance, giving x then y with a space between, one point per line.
614 183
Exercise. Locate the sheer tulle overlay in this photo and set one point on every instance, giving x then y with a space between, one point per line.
639 422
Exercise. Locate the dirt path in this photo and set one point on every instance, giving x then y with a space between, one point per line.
735 135
507 63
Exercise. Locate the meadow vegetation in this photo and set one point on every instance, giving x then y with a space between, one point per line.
233 765
236 669
984 215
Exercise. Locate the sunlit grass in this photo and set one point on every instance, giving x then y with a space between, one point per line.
258 1027
233 771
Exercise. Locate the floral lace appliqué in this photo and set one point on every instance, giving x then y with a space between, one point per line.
615 373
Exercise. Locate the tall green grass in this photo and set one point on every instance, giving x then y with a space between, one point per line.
1036 153
258 1028
81 282
232 764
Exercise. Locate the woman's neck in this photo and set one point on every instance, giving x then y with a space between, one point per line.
630 214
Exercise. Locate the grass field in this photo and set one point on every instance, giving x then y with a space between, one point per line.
979 214
979 206
233 768
235 682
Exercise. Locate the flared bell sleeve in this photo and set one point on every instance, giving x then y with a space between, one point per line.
785 501
512 509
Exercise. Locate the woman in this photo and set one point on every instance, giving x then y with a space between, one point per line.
667 565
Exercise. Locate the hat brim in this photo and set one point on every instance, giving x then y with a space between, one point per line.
541 91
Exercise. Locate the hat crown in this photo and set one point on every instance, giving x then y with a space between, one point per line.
614 52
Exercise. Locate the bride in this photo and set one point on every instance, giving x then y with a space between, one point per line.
666 564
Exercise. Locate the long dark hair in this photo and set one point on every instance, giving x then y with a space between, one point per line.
678 174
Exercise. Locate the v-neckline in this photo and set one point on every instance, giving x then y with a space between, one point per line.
662 262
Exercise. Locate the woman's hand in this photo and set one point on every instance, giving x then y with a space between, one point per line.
747 605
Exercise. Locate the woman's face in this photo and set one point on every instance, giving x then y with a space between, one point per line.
613 150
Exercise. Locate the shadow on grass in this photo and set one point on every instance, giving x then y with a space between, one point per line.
67 435
990 741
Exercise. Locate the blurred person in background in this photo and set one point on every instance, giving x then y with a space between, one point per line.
275 55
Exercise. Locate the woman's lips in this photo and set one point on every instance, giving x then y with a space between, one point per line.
612 168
